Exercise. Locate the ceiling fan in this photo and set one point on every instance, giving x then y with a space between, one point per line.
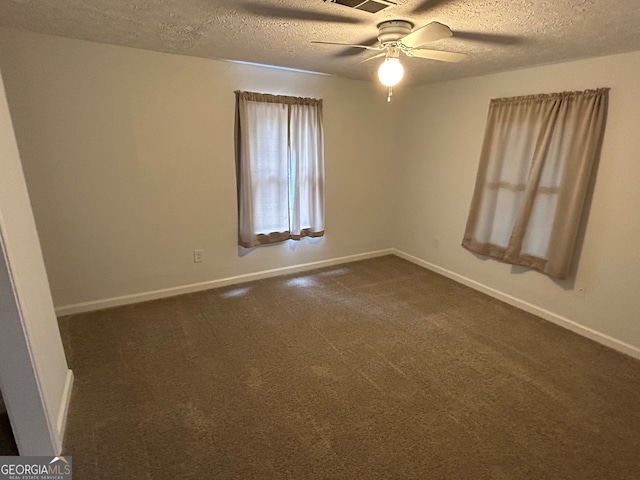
396 38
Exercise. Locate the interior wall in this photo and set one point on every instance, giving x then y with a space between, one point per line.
129 159
34 377
439 153
128 156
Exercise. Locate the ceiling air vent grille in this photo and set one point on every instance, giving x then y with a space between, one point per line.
371 6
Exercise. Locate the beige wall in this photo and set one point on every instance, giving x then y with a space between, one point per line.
439 154
129 160
128 156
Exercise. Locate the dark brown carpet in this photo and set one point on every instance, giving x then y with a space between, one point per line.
371 370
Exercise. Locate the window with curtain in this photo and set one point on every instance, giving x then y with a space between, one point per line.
279 168
536 162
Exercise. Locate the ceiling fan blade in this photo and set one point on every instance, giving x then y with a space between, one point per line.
495 38
367 47
353 51
275 12
451 57
429 33
426 5
371 58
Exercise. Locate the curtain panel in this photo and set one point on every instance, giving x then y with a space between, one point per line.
535 166
279 144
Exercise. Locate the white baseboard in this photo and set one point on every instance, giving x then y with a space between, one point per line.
527 307
61 424
223 282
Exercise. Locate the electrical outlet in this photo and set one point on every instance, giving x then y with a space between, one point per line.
197 256
580 290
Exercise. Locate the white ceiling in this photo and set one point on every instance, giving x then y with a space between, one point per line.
498 35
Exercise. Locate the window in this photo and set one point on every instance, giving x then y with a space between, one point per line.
535 166
279 167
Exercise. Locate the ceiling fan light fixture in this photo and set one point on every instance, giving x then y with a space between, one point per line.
390 72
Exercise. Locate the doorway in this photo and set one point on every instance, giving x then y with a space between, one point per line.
8 445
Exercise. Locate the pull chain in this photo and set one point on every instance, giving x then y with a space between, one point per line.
390 94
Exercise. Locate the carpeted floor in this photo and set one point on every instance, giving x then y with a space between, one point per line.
371 370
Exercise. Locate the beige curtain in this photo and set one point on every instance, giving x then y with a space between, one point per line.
535 166
279 168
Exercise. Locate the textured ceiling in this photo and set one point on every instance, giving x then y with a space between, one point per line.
498 35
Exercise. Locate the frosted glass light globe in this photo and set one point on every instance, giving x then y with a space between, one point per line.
390 72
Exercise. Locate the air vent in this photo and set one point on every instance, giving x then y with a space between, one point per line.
371 6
